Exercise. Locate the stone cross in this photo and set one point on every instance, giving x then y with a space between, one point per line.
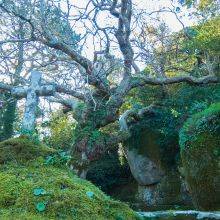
32 93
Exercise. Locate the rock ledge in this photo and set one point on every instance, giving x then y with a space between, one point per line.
170 214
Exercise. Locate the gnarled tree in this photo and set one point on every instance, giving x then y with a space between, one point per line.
94 89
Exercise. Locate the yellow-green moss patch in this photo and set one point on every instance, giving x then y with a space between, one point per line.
21 150
35 190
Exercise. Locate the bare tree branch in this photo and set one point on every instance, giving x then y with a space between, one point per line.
142 81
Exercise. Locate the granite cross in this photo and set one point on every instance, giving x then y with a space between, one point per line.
32 93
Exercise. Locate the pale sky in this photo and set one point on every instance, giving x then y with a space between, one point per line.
169 18
148 5
153 5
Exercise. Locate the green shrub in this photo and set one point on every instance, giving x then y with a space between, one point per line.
62 133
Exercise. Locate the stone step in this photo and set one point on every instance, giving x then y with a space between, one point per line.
180 215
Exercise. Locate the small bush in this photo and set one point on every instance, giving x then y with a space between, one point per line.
62 133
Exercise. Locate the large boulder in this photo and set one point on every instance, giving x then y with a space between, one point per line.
144 154
35 184
151 156
144 169
200 154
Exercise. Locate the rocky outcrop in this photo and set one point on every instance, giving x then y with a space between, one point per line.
150 157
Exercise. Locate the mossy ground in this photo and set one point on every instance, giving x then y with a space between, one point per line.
200 153
64 195
22 149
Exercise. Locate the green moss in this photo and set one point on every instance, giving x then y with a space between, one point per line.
65 196
200 147
21 150
207 120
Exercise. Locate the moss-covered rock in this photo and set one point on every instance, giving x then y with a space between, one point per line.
200 153
156 137
38 190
